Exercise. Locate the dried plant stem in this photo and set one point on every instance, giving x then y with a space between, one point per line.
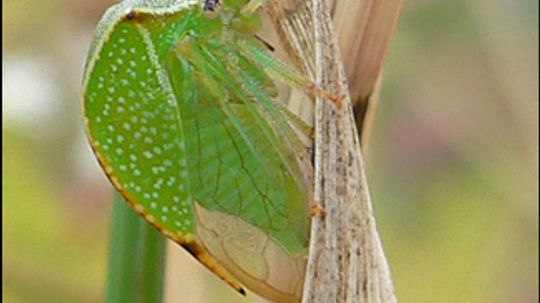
364 29
346 262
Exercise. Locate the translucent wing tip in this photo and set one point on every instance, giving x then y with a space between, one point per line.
198 251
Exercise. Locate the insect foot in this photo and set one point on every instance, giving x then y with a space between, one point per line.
315 208
315 91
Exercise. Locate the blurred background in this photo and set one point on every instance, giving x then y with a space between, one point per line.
452 164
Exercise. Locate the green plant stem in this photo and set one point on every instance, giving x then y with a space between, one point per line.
123 244
152 264
136 258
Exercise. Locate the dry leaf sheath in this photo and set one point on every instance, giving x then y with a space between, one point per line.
346 262
364 29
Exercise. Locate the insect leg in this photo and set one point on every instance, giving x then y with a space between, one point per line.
252 6
278 112
284 73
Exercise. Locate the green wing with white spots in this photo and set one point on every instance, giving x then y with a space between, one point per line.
134 125
182 121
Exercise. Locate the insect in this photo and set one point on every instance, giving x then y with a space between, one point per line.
180 110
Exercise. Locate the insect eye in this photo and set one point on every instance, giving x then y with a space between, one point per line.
211 5
130 15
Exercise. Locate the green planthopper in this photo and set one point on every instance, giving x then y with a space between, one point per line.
180 109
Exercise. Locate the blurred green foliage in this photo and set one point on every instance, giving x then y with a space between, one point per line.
453 163
48 254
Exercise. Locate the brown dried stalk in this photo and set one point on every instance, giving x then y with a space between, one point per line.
364 29
346 262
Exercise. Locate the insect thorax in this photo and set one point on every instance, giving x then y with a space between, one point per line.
233 15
